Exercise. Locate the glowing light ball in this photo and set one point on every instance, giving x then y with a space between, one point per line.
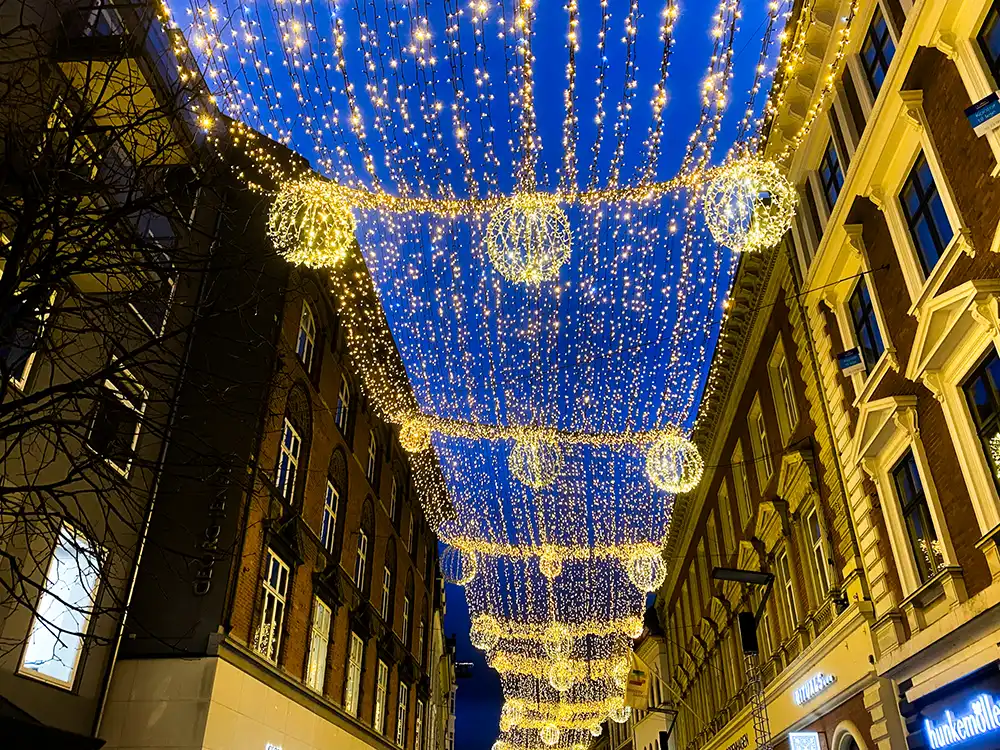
620 714
750 206
647 572
562 675
549 734
596 730
458 566
414 437
550 563
673 463
528 239
557 641
311 224
535 463
483 634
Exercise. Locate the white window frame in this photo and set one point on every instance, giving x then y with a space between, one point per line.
274 600
763 461
43 319
361 558
741 481
140 414
705 572
407 616
418 726
381 697
287 467
410 535
393 499
818 554
319 644
402 707
789 599
783 392
352 685
342 415
728 528
328 529
372 466
47 621
305 342
386 593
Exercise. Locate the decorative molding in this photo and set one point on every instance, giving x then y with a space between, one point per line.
913 108
944 41
933 381
855 239
797 478
877 196
772 523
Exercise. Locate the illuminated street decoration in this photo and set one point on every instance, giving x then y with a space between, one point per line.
750 205
458 566
674 464
529 238
311 224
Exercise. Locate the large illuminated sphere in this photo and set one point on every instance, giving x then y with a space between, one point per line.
483 635
549 734
647 572
458 566
562 675
750 206
557 641
550 563
414 437
510 716
596 730
620 714
535 463
311 224
528 239
673 463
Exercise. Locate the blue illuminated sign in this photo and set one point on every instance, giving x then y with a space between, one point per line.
982 718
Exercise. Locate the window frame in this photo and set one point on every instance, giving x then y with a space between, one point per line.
744 496
921 505
853 321
42 318
355 671
279 592
831 162
760 445
818 553
992 65
305 340
783 392
286 467
925 211
880 48
319 645
371 468
407 617
385 608
108 383
381 704
402 709
361 559
789 598
342 414
328 526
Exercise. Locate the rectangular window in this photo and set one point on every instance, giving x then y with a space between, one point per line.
741 478
764 636
929 226
407 613
65 605
791 409
401 709
411 534
982 392
989 41
305 345
393 500
420 639
877 51
831 176
288 460
361 559
818 553
319 641
728 532
386 593
788 593
766 463
328 531
372 466
17 352
865 325
352 687
114 433
381 696
917 517
155 283
272 610
418 727
343 405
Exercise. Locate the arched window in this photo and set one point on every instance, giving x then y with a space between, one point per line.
337 481
423 635
363 553
293 446
388 582
408 610
305 345
343 414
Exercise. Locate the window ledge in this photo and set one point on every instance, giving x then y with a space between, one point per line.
948 583
885 362
960 243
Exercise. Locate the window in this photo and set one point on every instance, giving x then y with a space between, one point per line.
381 695
728 533
788 594
765 466
788 405
831 176
917 517
764 636
328 531
877 51
155 289
421 632
393 500
319 639
361 560
401 709
411 534
407 613
343 405
815 532
305 345
114 433
372 458
272 611
982 391
742 482
989 41
418 727
386 593
352 687
288 460
929 226
865 325
17 353
59 626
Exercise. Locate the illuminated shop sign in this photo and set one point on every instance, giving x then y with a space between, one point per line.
803 741
741 744
982 717
812 687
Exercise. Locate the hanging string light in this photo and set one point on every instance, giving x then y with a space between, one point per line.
750 206
310 223
414 437
647 572
535 463
549 734
459 567
529 238
674 464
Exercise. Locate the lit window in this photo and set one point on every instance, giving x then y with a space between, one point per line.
418 727
919 528
361 559
372 458
865 325
818 555
788 594
17 352
741 480
929 226
288 460
64 607
407 611
982 391
728 532
272 612
114 433
788 394
381 694
352 687
305 345
393 500
877 51
151 299
404 698
764 636
420 638
319 639
343 405
386 593
766 464
831 176
329 529
989 41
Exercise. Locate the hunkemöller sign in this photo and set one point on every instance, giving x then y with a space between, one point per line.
983 717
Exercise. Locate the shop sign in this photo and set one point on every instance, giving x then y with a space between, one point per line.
982 716
803 741
741 744
812 687
271 746
851 362
984 115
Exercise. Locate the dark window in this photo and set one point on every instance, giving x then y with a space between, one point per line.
865 325
877 51
117 420
831 176
925 215
989 40
19 335
982 391
917 517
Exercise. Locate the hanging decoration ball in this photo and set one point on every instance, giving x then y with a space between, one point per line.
535 462
673 463
550 563
458 566
647 572
510 716
484 634
562 675
529 238
557 641
596 730
750 206
414 437
311 224
636 625
620 714
549 734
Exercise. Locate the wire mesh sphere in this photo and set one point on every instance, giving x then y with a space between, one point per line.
550 563
510 716
750 206
535 463
311 224
549 734
458 566
529 238
647 572
414 437
620 714
557 641
483 634
673 463
562 675
597 730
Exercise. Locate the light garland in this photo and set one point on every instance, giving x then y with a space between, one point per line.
596 730
311 224
647 573
414 437
549 734
529 239
458 566
674 464
536 463
562 675
620 714
750 206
